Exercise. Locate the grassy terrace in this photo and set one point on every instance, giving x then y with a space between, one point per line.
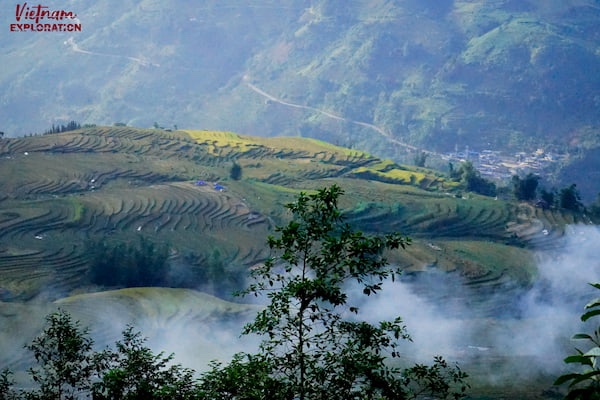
58 191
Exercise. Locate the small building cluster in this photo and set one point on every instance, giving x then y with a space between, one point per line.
217 186
494 164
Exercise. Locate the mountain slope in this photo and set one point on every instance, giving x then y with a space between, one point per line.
469 267
62 191
376 75
165 316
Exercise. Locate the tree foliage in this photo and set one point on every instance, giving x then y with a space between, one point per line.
68 368
65 359
236 171
6 386
130 265
135 372
310 351
549 197
212 273
585 385
71 126
472 180
570 199
246 376
525 189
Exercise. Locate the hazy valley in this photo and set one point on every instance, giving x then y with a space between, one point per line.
479 269
199 122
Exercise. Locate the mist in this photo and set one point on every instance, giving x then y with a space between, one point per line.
501 333
498 335
529 336
493 331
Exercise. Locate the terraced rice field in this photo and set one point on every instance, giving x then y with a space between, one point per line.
116 183
57 192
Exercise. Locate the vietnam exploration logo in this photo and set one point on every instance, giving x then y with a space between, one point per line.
40 18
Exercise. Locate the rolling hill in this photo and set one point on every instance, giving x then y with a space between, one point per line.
118 183
61 191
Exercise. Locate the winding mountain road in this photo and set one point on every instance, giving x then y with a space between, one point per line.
75 47
376 128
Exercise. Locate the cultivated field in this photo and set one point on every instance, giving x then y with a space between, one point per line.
58 191
61 191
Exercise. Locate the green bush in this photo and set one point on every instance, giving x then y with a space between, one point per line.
67 368
585 385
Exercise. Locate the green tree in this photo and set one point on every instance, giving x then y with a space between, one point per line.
570 199
309 349
135 372
525 189
6 383
420 158
585 385
247 376
454 173
236 171
474 182
66 362
129 265
69 369
549 197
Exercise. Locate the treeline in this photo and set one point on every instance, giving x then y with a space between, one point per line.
128 264
67 368
528 188
142 263
71 126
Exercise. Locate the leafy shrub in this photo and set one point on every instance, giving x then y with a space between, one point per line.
585 385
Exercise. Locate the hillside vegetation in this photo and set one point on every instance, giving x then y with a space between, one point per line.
65 193
375 75
62 191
